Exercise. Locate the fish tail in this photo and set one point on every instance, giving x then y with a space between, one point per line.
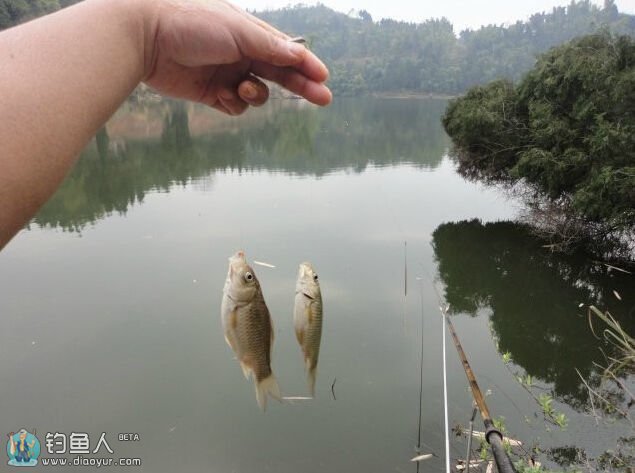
246 370
268 386
311 375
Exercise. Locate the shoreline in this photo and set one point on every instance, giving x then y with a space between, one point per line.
411 95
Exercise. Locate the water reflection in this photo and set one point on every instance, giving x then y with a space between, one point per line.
533 297
149 148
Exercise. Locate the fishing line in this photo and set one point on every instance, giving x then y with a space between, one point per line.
405 269
445 387
444 311
419 443
420 376
445 396
405 285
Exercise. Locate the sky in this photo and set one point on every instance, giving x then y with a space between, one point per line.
462 13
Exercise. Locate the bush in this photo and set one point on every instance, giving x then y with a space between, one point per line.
567 129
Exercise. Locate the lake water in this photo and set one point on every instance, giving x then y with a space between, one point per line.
111 297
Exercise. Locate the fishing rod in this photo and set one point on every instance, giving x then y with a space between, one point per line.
493 436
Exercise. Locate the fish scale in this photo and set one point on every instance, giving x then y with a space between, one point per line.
313 335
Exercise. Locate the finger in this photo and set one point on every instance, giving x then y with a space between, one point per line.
256 42
311 65
253 91
290 79
259 44
229 102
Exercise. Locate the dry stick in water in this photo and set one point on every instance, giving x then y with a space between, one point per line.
617 380
624 414
469 439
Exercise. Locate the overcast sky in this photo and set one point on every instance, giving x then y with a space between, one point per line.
462 13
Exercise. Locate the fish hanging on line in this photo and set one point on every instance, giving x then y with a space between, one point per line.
248 328
307 319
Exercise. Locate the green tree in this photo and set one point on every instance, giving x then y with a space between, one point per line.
568 129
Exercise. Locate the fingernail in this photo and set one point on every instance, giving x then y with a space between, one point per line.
296 49
250 91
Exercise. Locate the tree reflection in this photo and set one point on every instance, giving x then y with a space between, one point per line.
287 136
533 297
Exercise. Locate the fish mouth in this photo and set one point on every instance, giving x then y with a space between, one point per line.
306 266
236 260
238 256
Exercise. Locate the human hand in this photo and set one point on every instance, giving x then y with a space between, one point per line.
212 52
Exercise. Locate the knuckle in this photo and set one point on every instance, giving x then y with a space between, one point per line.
271 49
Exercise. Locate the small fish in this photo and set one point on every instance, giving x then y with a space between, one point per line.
248 328
307 319
419 458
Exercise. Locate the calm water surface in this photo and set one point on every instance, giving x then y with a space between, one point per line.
110 299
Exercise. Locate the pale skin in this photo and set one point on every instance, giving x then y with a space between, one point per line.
62 76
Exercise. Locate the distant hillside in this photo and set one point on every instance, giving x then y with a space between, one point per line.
392 56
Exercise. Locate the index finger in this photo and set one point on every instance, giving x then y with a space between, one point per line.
260 45
311 66
257 40
294 81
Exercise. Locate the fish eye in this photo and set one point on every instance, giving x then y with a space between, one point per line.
249 277
315 277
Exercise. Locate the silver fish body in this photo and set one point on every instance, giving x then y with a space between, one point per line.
248 328
307 319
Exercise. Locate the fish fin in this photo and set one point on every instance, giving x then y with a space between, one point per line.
312 373
268 386
299 334
246 369
272 333
230 329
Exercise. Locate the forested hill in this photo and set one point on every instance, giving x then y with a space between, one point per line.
13 12
388 56
391 56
